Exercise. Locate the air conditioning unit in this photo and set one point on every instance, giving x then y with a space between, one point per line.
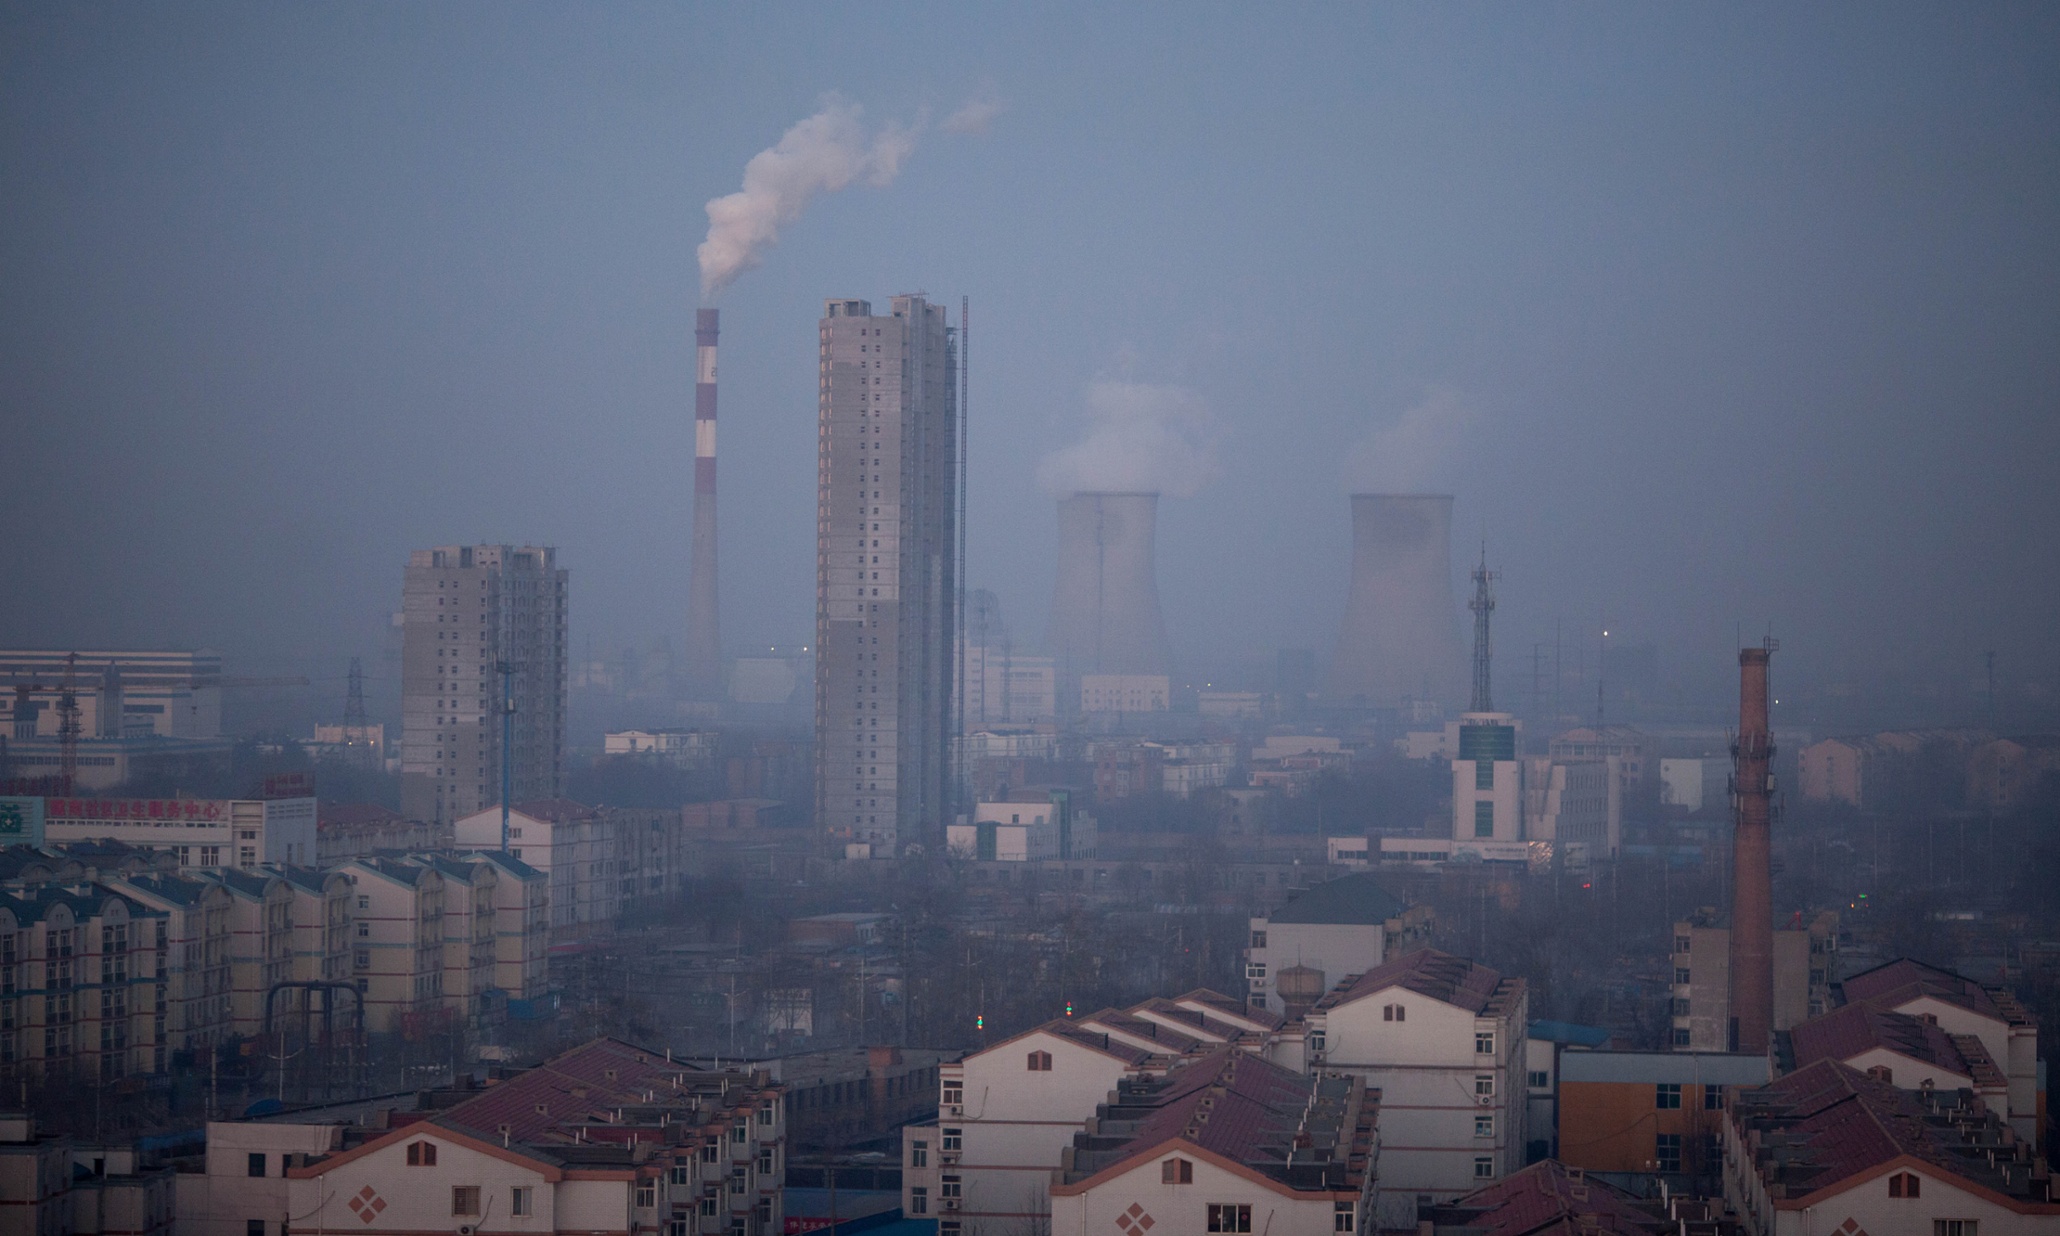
949 1158
468 1229
1485 1100
955 1110
950 1204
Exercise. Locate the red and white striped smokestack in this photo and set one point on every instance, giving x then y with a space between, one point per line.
704 634
1752 880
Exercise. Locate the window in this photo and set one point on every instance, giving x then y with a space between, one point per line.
647 1194
1666 1152
1039 1062
1484 817
951 1139
948 1187
710 1151
1955 1227
919 1201
1680 1006
1484 1043
1258 939
1712 1098
682 1175
919 1154
464 1199
257 1164
1394 1012
522 1203
421 1154
1343 1218
765 1160
1882 1072
1905 1184
1681 974
1484 1086
1540 1079
1176 1171
1681 1038
954 1095
1230 1217
708 1206
1483 1167
764 1211
1666 1096
1316 1040
253 1227
1484 1126
740 1133
1681 944
679 1227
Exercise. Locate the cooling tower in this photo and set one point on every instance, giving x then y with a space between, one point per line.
704 637
1105 611
1401 632
1752 891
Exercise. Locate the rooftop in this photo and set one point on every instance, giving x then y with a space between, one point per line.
1352 899
1826 1124
1457 981
1546 1199
1851 1031
1900 981
1301 1132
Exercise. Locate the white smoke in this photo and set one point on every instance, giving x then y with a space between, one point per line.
821 154
1144 438
974 118
1415 450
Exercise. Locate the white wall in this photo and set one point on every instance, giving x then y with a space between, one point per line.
1177 1209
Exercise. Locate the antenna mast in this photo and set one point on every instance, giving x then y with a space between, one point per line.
357 736
1482 605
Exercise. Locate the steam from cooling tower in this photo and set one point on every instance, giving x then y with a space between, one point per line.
1144 438
825 153
1413 452
1105 616
1400 637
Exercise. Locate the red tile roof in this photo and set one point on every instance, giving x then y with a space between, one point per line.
541 1106
1441 976
1900 981
1846 1033
1548 1198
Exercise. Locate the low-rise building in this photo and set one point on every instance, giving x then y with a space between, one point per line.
1701 1000
397 955
1828 1149
1226 1143
1551 1197
1024 829
50 1186
1650 1113
1125 692
1442 1038
202 832
679 748
1344 926
1991 1014
607 1137
2007 774
1903 1050
360 830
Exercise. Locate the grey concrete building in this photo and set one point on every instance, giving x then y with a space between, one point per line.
886 580
466 608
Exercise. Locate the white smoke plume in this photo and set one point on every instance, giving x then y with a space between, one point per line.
974 118
1415 450
1144 438
821 154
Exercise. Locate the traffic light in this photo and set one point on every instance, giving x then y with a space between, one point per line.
979 1021
1069 1008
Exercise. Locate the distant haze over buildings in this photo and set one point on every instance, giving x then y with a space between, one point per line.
1708 320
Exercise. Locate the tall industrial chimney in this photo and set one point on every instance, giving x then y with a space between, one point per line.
1105 611
1401 631
704 633
1752 892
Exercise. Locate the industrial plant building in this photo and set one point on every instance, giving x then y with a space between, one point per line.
1400 639
470 611
1105 617
886 573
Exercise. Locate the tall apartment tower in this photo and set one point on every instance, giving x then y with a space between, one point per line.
886 587
466 609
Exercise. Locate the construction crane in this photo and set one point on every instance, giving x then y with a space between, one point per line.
67 718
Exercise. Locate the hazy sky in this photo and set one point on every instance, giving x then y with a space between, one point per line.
1707 316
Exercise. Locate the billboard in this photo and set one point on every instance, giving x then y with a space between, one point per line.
21 821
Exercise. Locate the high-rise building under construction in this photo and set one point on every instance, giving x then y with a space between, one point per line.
886 578
469 614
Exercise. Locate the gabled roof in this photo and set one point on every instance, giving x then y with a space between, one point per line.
594 1077
1546 1199
1079 1035
1278 1127
1456 981
1118 1022
506 862
407 875
1231 1009
1898 982
254 885
1357 899
172 889
1830 1127
1189 1020
1846 1033
307 879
